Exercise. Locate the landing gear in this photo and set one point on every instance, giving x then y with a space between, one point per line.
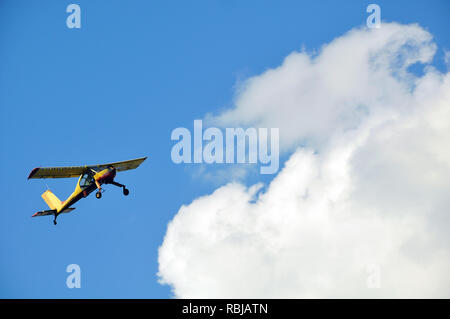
126 191
98 195
54 220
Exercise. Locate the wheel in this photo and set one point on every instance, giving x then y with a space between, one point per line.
98 195
126 191
54 222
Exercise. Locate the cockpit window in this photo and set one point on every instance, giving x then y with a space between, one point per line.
86 180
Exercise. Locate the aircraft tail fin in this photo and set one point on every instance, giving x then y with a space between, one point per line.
52 201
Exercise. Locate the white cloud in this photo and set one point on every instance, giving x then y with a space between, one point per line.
447 58
310 98
370 187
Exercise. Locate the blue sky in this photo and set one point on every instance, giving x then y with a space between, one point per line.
114 90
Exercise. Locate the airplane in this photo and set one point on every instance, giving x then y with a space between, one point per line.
91 177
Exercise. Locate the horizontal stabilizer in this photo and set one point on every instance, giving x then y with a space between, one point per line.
52 212
45 213
68 210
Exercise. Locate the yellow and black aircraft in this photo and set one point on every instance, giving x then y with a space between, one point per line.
91 177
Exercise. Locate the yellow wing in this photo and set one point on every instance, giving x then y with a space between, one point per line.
75 171
120 166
